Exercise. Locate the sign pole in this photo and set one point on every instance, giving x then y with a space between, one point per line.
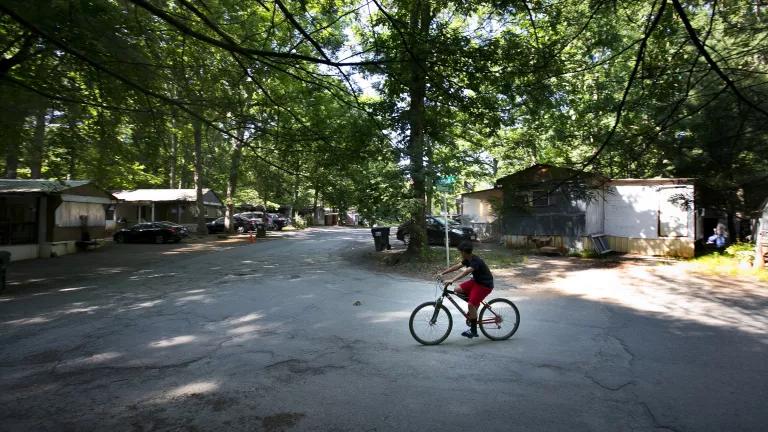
445 185
447 242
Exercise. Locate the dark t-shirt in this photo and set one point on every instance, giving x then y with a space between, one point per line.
480 271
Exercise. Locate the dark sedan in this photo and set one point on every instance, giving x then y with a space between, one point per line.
181 229
150 232
436 231
277 221
256 218
241 225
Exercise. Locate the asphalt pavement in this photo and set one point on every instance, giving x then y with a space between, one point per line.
289 335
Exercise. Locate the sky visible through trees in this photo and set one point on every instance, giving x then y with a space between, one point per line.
363 104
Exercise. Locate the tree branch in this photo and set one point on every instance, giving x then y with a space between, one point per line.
638 61
61 98
234 47
715 67
96 65
533 23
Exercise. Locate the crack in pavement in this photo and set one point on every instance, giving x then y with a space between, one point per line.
655 421
607 387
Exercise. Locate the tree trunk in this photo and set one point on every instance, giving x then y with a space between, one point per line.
103 150
430 196
731 221
10 130
174 155
12 157
197 127
185 175
420 19
72 150
314 206
294 203
38 144
234 168
429 178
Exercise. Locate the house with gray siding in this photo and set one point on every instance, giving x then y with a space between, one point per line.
565 209
45 218
173 205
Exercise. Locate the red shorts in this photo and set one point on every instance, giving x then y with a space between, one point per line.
474 291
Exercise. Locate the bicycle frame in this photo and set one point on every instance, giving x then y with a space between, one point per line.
447 294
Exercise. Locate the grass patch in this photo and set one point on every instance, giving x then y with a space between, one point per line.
433 259
501 258
728 265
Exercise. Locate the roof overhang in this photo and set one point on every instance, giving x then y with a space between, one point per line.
87 199
484 194
653 181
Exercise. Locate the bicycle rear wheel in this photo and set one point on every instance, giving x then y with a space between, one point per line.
499 319
429 324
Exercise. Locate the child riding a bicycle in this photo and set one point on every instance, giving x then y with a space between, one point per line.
475 289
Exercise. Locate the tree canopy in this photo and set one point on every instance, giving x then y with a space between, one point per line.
364 104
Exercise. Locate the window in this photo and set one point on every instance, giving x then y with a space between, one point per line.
536 198
521 200
539 198
18 220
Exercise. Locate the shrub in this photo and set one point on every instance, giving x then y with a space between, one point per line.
741 251
299 222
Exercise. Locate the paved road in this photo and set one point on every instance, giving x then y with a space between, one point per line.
270 336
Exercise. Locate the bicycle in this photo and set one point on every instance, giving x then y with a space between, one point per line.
431 322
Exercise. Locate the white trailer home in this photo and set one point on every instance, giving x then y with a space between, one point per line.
640 216
645 216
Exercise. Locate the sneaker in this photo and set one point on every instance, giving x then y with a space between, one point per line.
469 334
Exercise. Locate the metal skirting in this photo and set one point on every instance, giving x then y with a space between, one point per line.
668 246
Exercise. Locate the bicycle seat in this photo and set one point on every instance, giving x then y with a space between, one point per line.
462 296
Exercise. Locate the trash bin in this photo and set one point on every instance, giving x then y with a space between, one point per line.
381 238
5 260
261 230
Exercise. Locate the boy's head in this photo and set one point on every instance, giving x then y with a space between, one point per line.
465 248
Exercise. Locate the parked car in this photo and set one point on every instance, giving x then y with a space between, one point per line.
256 218
436 231
276 221
241 225
182 230
149 232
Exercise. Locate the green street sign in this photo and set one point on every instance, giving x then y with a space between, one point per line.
445 184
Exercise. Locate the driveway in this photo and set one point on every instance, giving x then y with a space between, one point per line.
287 334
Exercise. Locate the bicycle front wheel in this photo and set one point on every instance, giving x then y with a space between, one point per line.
499 319
430 324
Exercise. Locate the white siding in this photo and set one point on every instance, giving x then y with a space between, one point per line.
68 214
478 210
649 211
632 211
